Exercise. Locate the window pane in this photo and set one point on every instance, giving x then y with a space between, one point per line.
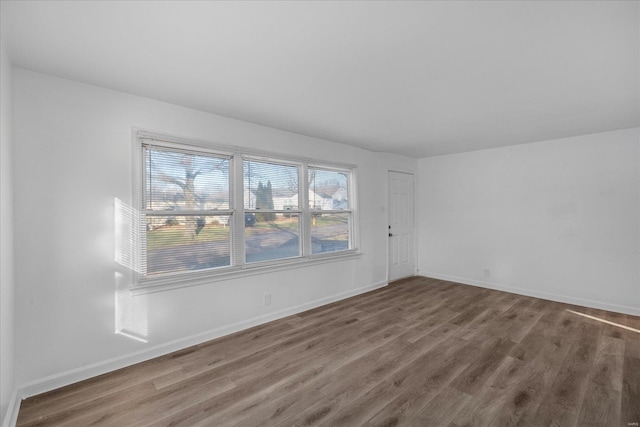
270 186
185 243
271 238
328 190
329 232
185 181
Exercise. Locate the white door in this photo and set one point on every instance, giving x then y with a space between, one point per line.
401 256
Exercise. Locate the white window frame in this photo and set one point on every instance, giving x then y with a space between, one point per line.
350 211
239 267
299 211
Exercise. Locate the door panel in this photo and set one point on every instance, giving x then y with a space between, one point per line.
401 232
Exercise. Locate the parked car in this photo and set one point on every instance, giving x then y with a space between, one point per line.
249 220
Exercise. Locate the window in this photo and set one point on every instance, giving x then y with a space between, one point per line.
271 198
187 210
214 212
330 210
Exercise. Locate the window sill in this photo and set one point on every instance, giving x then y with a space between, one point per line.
166 283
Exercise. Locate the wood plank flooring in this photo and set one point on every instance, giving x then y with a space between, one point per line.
420 352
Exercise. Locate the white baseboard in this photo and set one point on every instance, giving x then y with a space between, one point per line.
11 417
634 311
62 379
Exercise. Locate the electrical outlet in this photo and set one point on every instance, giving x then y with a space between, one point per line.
267 299
487 272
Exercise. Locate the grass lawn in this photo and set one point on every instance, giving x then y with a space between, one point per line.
175 235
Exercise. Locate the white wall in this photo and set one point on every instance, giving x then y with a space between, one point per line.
6 238
72 157
556 219
559 219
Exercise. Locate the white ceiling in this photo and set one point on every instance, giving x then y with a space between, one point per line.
415 78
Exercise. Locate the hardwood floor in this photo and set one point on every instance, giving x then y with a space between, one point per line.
420 352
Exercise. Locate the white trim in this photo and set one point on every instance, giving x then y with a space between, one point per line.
236 196
173 147
13 408
284 211
305 216
634 311
71 376
354 204
320 211
202 212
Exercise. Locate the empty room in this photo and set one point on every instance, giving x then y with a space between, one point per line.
320 213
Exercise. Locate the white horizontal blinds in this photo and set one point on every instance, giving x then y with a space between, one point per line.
187 210
195 217
272 210
185 181
330 208
270 185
